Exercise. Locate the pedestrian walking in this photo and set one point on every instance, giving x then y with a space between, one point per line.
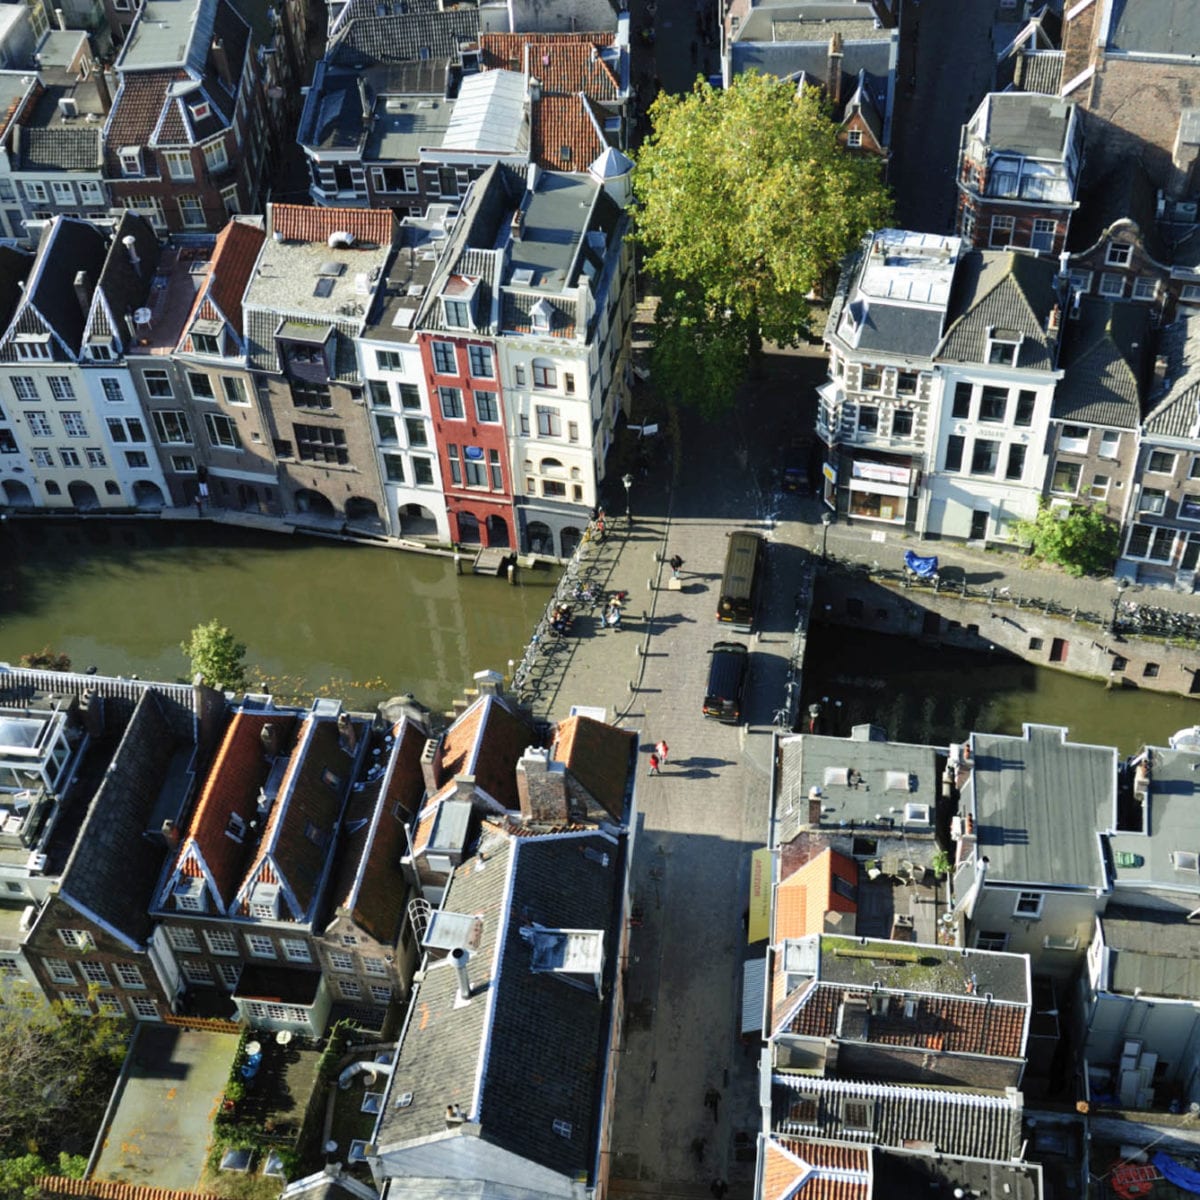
676 563
663 751
653 763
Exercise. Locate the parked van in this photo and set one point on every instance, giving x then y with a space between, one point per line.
728 667
745 565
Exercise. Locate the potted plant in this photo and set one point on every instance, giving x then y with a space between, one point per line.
941 864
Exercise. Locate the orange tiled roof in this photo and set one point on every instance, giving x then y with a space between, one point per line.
234 779
230 269
563 63
565 122
815 1171
598 756
307 223
803 899
102 1189
486 741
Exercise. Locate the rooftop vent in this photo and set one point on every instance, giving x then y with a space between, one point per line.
340 239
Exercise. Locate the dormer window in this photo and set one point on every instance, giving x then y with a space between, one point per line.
1118 254
100 351
458 314
539 316
189 895
264 901
200 111
206 337
1003 347
32 346
458 300
235 830
131 160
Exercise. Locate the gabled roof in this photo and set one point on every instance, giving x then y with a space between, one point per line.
563 63
948 1121
486 741
1106 354
307 223
1176 410
800 1169
1125 198
124 286
229 272
598 755
364 37
1000 290
566 133
827 883
136 112
15 266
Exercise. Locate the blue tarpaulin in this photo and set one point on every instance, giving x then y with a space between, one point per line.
1174 1172
924 566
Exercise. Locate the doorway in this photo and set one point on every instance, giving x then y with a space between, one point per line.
979 524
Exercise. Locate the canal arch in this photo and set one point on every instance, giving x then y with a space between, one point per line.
362 510
17 494
497 531
83 495
539 537
309 500
148 496
416 521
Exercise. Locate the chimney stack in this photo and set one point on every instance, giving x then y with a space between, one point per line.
61 18
347 734
431 764
83 292
130 244
171 835
102 86
364 98
542 788
814 806
220 61
833 72
269 737
460 956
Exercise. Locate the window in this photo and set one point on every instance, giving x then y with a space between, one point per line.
906 383
215 157
375 966
228 974
137 459
1073 439
572 431
77 939
30 347
229 195
473 467
455 467
35 191
385 428
1099 487
379 394
179 164
1016 462
871 379
1001 232
306 394
220 941
390 360
480 358
1065 480
183 938
495 469
1042 237
1110 443
984 457
184 464
549 423
445 362
410 396
519 371
993 404
144 1007
60 387
554 489
201 386
295 950
112 390
1002 349
1145 287
1112 285
128 975
74 426
76 1002
100 351
59 970
191 212
868 418
854 138
1189 509
568 383
451 401
417 432
991 939
24 387
1153 500
457 311
486 408
222 432
1029 904
1026 401
8 443
381 993
350 989
961 408
410 179
339 960
172 427
1118 254
196 972
393 468
39 425
108 1003
43 458
544 375
260 945
234 389
148 207
68 457
1161 462
206 343
422 470
954 453
320 443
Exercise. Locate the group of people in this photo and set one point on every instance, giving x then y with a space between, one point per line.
658 756
560 619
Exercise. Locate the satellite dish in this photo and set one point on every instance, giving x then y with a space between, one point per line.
142 316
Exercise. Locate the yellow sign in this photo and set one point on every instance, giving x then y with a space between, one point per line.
759 926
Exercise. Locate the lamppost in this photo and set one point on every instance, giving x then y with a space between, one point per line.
826 521
627 483
1122 584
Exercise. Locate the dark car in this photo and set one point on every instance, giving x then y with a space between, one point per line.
728 669
797 476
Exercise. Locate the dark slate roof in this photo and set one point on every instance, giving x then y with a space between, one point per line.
74 149
14 270
789 58
67 247
913 1175
1155 951
1003 290
899 328
982 1124
1125 193
369 38
114 867
1175 412
1106 357
123 285
1040 71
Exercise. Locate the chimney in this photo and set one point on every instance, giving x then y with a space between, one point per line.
364 98
1160 373
489 683
269 737
454 1116
61 18
833 72
535 89
1054 319
814 806
220 62
518 225
130 244
102 87
347 734
542 788
171 835
461 957
464 787
431 764
83 292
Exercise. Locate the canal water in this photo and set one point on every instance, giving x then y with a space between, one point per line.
318 617
935 695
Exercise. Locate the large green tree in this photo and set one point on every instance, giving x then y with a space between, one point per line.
1080 538
746 202
217 655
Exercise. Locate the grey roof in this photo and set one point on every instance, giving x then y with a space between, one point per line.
170 33
1028 123
1170 821
1039 71
900 329
1002 290
113 870
14 270
550 16
951 1121
539 1041
394 318
1039 803
813 760
1152 950
1125 194
490 114
123 286
369 38
912 1175
1153 26
79 149
1106 355
1175 413
787 59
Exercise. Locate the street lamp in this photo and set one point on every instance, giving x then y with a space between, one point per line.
826 521
627 483
1122 584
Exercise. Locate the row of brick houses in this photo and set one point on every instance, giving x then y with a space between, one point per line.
331 367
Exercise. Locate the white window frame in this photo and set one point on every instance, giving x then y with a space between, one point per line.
179 165
1022 902
260 946
1118 254
129 977
295 950
221 941
183 937
59 970
77 939
339 960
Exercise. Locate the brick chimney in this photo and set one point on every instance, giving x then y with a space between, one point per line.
83 292
542 788
815 801
220 62
171 835
489 683
431 764
833 72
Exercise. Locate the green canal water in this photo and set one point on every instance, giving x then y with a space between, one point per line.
924 694
318 617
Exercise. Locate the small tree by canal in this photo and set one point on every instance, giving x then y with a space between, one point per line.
217 656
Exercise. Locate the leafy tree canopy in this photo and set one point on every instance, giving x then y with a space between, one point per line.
46 659
1080 539
217 655
746 202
